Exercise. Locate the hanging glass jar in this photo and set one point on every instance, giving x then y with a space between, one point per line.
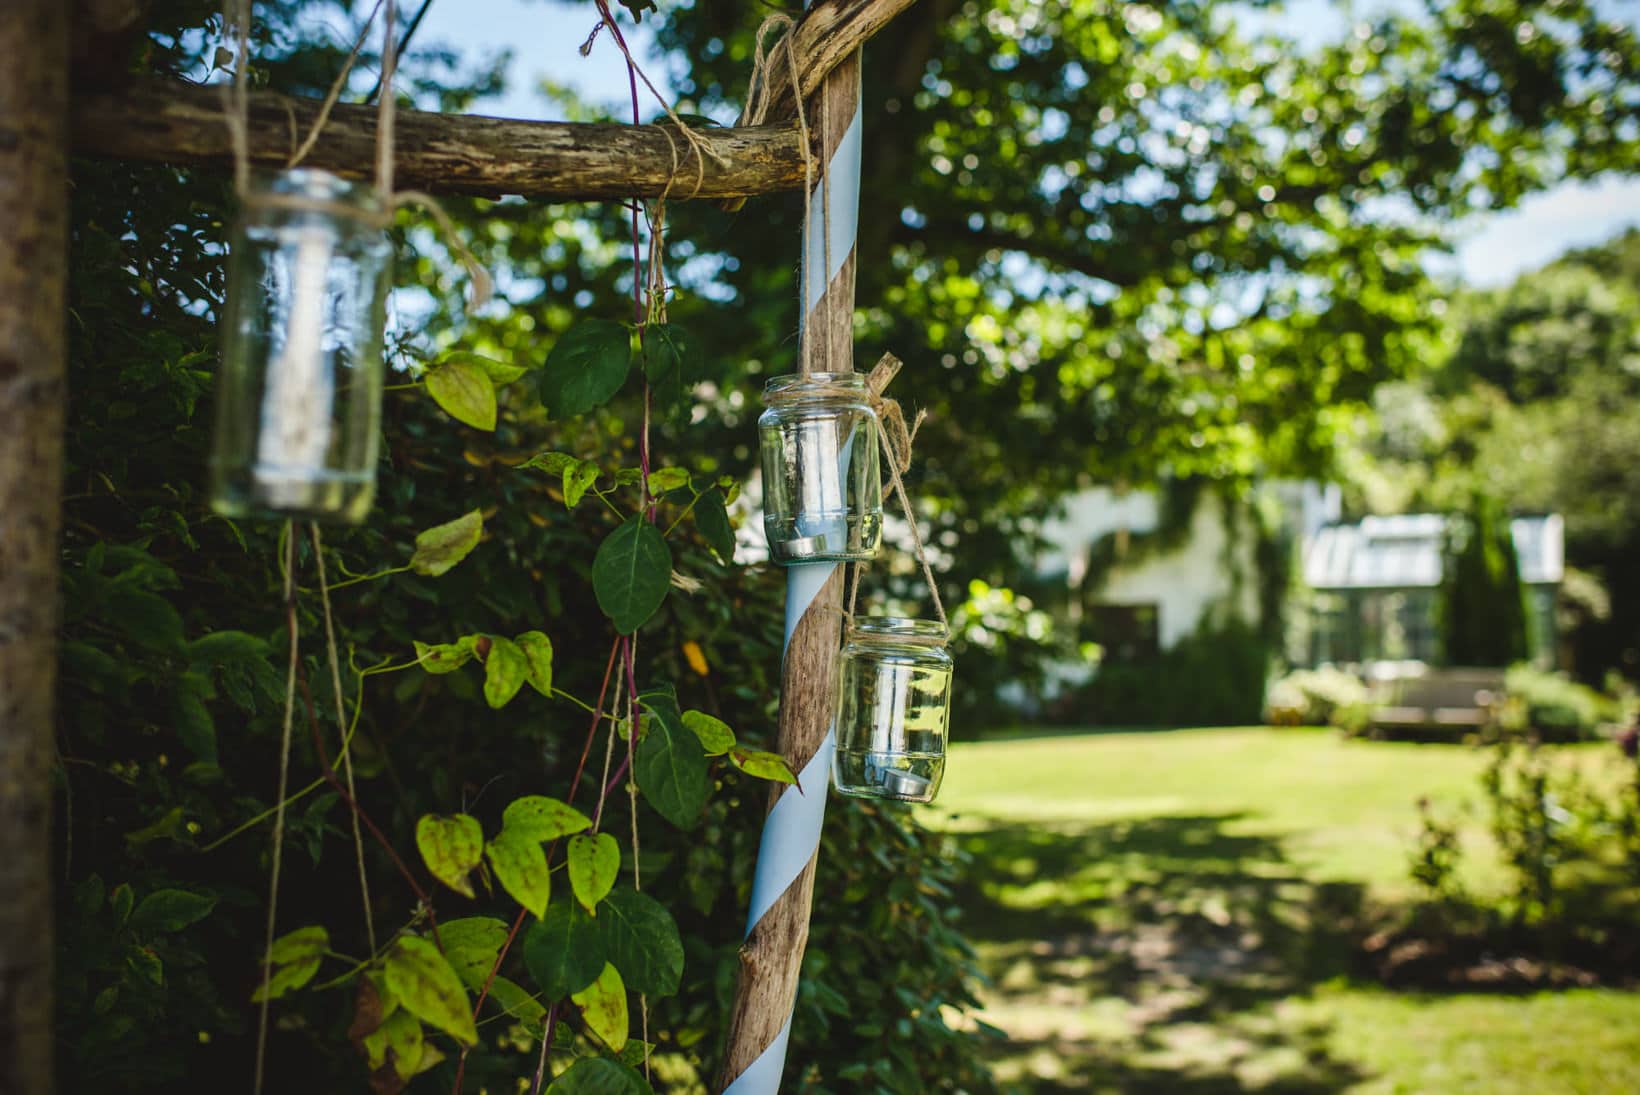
893 709
299 391
822 492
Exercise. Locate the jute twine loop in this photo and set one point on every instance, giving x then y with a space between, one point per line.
703 151
760 100
896 439
236 16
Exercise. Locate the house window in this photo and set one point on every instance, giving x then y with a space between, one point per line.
1128 632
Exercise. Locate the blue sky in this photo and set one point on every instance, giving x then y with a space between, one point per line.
544 36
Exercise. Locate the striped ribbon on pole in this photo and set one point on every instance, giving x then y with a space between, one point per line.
783 885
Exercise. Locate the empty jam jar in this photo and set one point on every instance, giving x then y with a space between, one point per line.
892 714
298 402
822 492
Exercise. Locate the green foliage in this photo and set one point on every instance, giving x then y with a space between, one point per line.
632 573
1227 665
587 366
1482 603
1320 697
442 547
1553 707
465 391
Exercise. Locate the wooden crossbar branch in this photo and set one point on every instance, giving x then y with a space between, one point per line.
166 121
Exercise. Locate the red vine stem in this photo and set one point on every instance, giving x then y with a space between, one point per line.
518 921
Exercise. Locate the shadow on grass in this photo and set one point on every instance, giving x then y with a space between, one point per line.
1149 955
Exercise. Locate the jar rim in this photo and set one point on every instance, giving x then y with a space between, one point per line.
902 628
811 385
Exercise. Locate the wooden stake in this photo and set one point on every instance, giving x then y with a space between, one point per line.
33 323
772 955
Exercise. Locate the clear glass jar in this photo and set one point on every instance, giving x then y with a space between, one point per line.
822 492
893 709
298 404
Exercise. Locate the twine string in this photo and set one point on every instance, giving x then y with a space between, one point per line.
335 91
759 101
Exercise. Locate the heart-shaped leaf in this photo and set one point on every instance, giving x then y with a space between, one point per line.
631 574
670 764
451 848
443 546
712 519
603 1008
714 734
439 658
564 951
577 478
537 650
465 391
755 762
641 939
599 1075
594 861
505 670
586 367
471 944
429 989
541 818
521 867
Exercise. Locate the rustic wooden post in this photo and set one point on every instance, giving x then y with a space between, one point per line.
772 955
33 269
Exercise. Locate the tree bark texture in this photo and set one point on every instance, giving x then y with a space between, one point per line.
772 956
34 66
165 121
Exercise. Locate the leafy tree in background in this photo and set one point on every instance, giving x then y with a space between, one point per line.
1483 604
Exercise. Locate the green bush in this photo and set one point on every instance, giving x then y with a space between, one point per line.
1552 706
1215 677
1321 697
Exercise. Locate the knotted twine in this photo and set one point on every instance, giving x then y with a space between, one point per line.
896 439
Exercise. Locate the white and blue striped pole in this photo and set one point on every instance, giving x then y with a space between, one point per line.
777 925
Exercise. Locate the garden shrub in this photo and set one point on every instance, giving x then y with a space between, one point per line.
1215 677
1322 697
1552 706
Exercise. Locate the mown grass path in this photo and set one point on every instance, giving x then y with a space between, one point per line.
1176 911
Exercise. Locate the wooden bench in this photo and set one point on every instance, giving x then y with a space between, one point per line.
1442 699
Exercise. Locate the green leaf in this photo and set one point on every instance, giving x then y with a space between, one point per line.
578 477
537 650
401 1034
670 766
564 951
471 944
631 573
445 657
553 463
295 957
641 939
501 373
521 867
227 648
755 762
443 546
714 734
428 988
603 1008
505 669
170 911
599 1076
594 861
147 619
712 519
465 391
451 847
541 818
671 365
662 480
515 1000
195 726
587 366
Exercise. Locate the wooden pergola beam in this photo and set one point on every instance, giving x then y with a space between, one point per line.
167 121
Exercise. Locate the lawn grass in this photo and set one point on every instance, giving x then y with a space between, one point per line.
1176 912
